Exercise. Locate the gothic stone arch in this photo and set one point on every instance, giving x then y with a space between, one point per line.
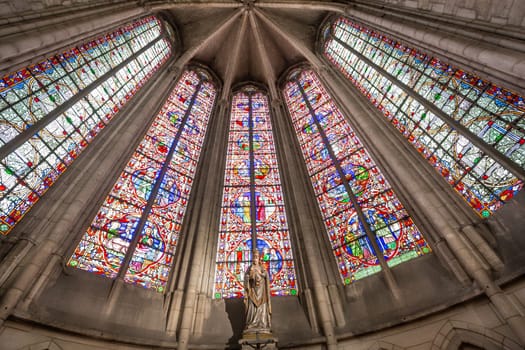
453 334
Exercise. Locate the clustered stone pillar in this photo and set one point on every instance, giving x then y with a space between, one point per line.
208 196
308 237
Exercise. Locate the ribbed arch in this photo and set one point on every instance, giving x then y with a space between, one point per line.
367 225
52 110
253 215
457 121
135 232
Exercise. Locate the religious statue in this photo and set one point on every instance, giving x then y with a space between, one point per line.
257 298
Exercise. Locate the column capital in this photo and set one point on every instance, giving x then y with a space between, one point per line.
277 102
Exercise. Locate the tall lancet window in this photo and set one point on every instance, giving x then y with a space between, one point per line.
366 223
135 232
253 213
447 114
52 110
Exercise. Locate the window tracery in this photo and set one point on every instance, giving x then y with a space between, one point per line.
135 232
443 111
253 204
51 111
363 216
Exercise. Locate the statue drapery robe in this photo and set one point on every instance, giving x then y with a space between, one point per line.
257 299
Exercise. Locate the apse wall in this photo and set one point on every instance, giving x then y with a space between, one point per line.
436 305
468 323
71 309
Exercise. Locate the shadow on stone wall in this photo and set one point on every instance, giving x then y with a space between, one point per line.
235 310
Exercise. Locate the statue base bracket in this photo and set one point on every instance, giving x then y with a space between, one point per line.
258 340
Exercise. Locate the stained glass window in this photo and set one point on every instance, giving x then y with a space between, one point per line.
401 82
253 214
52 110
361 212
136 230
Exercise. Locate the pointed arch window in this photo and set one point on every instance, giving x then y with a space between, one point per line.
253 214
135 232
453 118
367 225
51 111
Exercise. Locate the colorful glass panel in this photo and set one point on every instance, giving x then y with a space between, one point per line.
339 167
34 93
152 192
493 114
252 204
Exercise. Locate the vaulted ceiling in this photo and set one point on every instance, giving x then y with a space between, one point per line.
246 40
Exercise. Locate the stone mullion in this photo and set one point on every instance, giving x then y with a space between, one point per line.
253 209
487 149
153 195
357 207
305 219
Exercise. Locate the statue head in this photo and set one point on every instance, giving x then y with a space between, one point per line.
256 257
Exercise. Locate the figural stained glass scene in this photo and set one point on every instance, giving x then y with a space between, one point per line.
253 214
39 137
134 234
443 111
52 110
262 174
363 217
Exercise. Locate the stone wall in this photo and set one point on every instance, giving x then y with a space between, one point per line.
19 8
511 12
473 323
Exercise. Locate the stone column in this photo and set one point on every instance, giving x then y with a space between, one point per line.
204 220
310 246
186 293
49 235
212 209
435 205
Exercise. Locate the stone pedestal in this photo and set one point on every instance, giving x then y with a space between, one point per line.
258 340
